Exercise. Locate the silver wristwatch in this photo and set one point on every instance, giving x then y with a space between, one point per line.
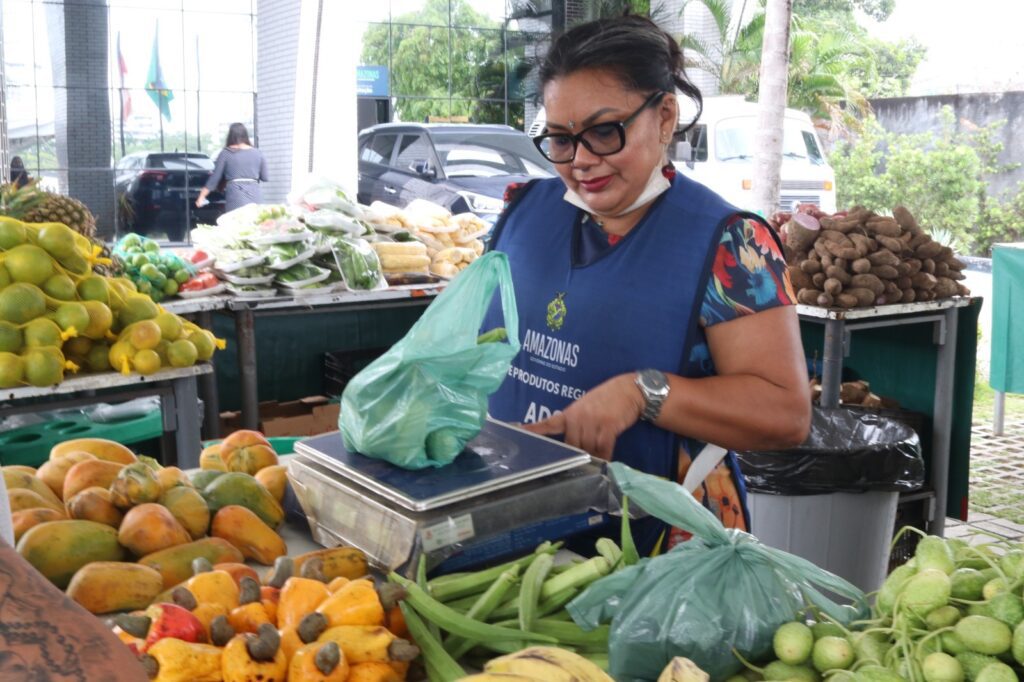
653 384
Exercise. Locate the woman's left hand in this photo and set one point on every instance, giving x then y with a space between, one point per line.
595 421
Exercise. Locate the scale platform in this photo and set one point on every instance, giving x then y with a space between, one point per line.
500 456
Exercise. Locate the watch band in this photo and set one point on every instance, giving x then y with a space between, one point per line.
654 387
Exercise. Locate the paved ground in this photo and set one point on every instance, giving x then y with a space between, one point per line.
997 485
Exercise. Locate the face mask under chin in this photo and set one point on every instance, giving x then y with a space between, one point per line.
656 184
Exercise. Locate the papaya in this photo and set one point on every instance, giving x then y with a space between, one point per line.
19 479
101 448
89 473
275 479
244 529
57 549
210 460
52 472
203 478
235 487
95 504
23 467
238 571
175 563
135 484
106 586
247 451
23 498
27 518
169 477
152 462
189 508
148 528
338 562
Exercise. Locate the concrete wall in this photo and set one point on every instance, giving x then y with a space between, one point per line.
277 49
921 114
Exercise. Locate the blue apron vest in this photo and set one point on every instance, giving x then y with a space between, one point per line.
636 306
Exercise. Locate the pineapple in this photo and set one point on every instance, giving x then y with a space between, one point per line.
33 205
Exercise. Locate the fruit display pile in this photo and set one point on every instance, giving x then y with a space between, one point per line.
57 314
858 258
952 613
155 272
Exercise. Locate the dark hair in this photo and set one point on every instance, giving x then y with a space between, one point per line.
17 164
237 134
639 52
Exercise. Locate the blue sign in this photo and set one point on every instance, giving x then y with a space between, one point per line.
372 81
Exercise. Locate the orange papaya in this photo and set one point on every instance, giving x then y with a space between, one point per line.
175 563
57 549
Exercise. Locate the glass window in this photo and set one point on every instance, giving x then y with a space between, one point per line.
478 69
475 153
419 63
379 149
413 153
734 139
813 152
421 12
698 137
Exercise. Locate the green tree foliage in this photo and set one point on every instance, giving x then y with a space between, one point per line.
879 10
941 177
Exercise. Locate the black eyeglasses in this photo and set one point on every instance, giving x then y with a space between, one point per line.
602 139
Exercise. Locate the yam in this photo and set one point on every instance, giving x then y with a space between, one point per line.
870 282
840 263
909 295
945 287
872 400
859 213
836 272
925 294
893 294
861 266
853 392
799 279
885 272
903 269
915 266
822 248
839 250
884 257
846 224
894 245
861 243
833 287
918 240
865 297
825 300
846 301
808 296
801 231
811 267
945 254
924 280
962 290
883 226
941 268
955 263
818 280
956 274
905 218
904 282
906 237
836 237
826 260
929 249
828 222
928 265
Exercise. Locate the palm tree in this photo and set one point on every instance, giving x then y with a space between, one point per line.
731 55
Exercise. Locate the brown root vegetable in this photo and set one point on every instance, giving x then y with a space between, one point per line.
909 295
836 272
833 287
905 218
861 243
872 400
944 287
904 282
825 300
818 280
929 249
956 264
801 231
811 266
956 274
837 237
865 297
853 392
962 290
870 282
881 300
861 266
928 265
880 225
799 279
915 266
822 249
808 296
918 240
838 250
945 254
846 224
924 280
884 257
894 245
906 237
846 301
941 269
885 272
893 294
903 269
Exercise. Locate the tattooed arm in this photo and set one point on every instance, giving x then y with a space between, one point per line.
45 636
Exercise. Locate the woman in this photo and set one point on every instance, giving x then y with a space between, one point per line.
657 318
19 176
242 166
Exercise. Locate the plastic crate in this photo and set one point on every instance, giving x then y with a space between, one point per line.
31 445
341 365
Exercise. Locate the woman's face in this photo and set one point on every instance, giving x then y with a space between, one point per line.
608 184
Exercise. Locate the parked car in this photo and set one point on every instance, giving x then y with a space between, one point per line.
156 194
463 167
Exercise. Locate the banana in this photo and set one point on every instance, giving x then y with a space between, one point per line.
548 663
499 677
681 669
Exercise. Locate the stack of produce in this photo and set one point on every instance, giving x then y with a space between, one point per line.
156 273
952 613
57 314
857 258
856 393
452 241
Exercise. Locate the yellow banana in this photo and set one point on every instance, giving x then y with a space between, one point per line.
500 677
548 663
681 669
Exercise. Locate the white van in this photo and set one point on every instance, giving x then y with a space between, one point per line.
719 152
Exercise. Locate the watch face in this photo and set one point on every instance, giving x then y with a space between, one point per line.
654 381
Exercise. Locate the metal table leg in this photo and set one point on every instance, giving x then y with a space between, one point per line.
208 387
832 363
245 330
942 415
999 414
187 441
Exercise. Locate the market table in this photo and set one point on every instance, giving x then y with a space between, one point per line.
1006 371
176 388
245 312
942 316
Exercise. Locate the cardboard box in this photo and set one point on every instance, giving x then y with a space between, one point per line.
306 417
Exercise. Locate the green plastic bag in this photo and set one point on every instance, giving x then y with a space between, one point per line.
720 590
418 404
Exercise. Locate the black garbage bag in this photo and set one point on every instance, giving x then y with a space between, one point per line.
846 451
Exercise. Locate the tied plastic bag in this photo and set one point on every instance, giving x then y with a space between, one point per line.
720 590
418 405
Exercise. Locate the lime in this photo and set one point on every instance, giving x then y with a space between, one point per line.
181 276
139 260
151 246
170 287
159 280
44 366
149 271
182 353
12 370
94 288
60 287
146 362
144 286
21 302
131 240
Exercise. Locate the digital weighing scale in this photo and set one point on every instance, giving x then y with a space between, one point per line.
507 492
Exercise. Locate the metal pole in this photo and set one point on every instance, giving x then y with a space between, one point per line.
208 388
942 416
245 330
186 435
832 363
999 415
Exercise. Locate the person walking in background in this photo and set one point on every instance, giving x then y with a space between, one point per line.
19 176
241 167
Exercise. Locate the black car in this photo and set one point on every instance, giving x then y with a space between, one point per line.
463 167
156 194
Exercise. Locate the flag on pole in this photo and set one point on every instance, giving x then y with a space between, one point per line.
126 97
155 85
